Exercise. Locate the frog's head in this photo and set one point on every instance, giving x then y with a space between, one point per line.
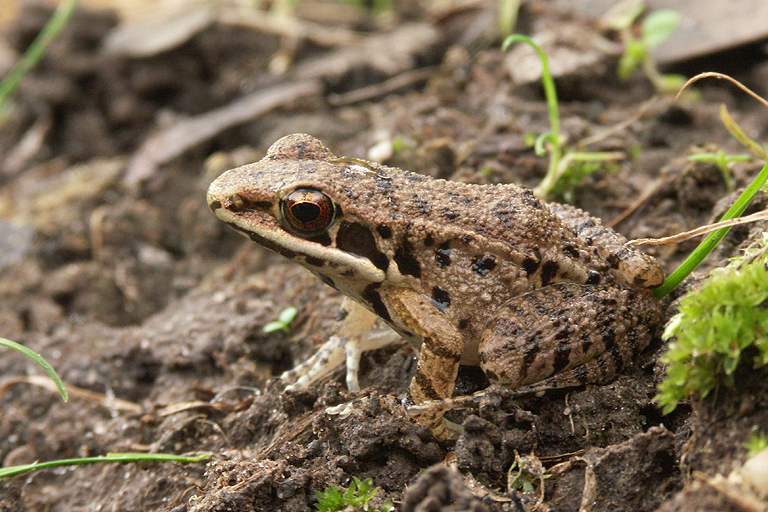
294 202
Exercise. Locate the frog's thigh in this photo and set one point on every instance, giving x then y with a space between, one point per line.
440 350
568 333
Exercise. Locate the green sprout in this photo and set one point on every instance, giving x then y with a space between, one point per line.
655 29
723 161
522 477
565 165
283 321
758 442
508 13
721 326
35 51
40 361
110 457
356 497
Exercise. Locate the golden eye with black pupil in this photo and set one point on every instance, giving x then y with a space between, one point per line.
308 211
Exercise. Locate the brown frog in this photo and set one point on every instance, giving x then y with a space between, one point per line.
539 295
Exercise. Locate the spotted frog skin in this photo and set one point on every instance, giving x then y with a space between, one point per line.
539 295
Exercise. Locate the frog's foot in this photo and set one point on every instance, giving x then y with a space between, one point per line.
332 354
431 412
322 362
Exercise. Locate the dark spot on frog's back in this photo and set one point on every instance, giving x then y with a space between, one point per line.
571 251
415 178
484 264
405 260
532 261
357 239
548 272
506 212
593 277
450 214
441 297
532 201
562 356
421 205
383 182
443 255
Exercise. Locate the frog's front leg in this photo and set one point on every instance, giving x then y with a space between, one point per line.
566 335
352 335
439 355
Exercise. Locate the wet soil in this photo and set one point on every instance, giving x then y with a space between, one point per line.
135 292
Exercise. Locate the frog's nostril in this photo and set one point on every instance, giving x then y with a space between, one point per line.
214 205
237 203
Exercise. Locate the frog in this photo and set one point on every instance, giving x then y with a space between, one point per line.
538 295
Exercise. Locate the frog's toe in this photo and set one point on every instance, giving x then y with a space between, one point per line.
324 361
430 414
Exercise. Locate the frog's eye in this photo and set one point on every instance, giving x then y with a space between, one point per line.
307 211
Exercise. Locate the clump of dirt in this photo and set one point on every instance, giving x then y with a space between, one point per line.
154 310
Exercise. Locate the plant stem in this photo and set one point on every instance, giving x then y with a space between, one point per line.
550 93
110 457
36 50
711 240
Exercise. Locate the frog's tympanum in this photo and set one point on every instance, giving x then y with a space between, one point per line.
535 293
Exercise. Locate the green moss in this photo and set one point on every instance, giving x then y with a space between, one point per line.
721 325
356 497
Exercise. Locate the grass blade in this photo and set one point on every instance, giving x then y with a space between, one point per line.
40 361
110 457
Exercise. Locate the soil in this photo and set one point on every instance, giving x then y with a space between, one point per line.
113 268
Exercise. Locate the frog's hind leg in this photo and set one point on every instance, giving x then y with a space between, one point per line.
597 371
566 335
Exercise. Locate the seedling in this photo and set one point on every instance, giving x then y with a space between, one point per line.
356 497
110 457
40 361
758 442
283 322
723 161
565 165
35 51
508 12
656 28
525 475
